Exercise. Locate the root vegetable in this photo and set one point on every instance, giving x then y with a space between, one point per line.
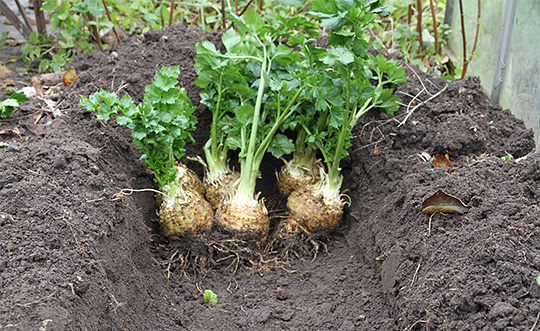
315 207
184 212
293 176
257 71
160 127
246 219
220 188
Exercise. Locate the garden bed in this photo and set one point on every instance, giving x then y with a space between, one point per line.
82 251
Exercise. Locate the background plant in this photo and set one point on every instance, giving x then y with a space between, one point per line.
416 29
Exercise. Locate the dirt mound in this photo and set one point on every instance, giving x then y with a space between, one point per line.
77 255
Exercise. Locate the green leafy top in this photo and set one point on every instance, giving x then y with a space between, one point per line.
352 81
159 126
252 90
348 19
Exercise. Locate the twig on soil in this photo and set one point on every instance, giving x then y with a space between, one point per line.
419 321
407 94
113 306
383 138
416 273
72 288
478 160
28 304
419 78
535 322
433 84
169 262
70 226
365 176
122 86
409 113
112 81
429 225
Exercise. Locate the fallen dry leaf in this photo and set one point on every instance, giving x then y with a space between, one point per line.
36 83
444 203
443 161
51 78
35 129
6 82
10 132
426 62
5 72
69 77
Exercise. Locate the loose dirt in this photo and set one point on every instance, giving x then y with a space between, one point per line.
81 251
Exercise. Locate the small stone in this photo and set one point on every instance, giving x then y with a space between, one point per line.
282 295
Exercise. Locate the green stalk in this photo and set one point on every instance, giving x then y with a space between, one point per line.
248 177
215 118
334 169
214 150
259 155
305 155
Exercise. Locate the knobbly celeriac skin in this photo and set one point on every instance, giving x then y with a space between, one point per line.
292 176
189 180
183 209
184 214
218 189
244 220
312 211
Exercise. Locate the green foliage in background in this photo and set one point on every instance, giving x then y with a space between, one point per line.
397 34
79 26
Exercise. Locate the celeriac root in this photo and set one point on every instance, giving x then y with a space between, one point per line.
220 188
185 213
312 210
293 176
246 219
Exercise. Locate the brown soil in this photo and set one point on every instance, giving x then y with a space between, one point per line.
77 256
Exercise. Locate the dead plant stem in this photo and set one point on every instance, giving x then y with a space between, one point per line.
466 59
419 321
109 16
416 273
435 33
536 321
420 104
419 78
419 23
171 14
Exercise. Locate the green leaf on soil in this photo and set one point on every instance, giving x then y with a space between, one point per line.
444 203
210 298
15 100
